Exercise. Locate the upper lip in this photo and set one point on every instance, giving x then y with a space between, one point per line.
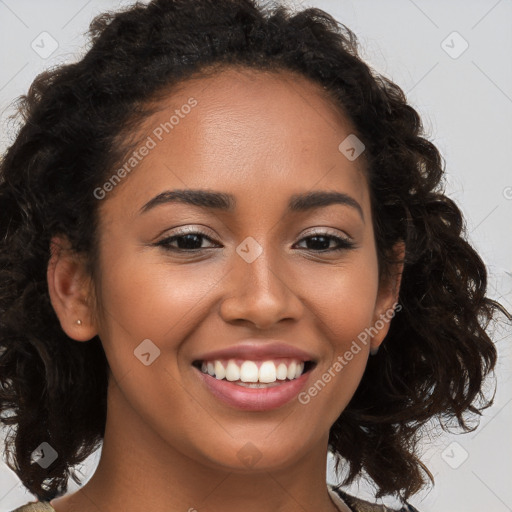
254 350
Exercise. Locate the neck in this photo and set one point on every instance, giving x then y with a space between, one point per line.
139 471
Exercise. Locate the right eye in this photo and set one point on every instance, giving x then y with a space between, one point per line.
187 241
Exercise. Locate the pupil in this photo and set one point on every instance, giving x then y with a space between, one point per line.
325 244
185 242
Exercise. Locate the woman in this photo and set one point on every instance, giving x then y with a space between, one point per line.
336 305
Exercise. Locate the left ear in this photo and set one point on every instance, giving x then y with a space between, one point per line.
387 297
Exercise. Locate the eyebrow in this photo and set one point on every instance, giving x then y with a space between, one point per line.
227 202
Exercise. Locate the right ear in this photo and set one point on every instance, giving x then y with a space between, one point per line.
70 288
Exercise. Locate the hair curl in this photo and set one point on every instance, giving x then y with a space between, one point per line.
77 119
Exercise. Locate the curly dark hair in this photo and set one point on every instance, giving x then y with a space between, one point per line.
77 122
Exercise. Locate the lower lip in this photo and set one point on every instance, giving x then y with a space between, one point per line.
254 399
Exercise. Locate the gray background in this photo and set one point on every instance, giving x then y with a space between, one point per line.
464 96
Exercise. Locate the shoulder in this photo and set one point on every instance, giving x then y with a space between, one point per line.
358 505
35 506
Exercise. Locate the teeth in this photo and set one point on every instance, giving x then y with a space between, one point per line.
267 372
248 372
292 370
281 371
220 372
232 371
257 385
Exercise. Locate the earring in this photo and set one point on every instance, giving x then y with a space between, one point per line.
79 322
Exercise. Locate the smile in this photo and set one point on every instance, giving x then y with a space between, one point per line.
254 385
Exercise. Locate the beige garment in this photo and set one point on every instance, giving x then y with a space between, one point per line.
37 506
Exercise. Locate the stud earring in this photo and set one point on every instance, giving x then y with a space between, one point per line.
79 322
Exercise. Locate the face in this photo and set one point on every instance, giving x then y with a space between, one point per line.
259 274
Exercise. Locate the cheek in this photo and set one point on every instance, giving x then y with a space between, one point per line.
143 300
343 298
148 299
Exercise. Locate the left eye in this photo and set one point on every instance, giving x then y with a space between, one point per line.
192 241
325 239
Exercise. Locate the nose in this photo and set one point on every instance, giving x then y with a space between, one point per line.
261 293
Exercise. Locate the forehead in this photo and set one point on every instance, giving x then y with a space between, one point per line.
251 133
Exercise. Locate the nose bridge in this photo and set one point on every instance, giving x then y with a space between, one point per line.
259 268
259 290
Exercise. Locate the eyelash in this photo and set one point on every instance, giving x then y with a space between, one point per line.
343 243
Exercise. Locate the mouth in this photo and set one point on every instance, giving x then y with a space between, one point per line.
255 374
255 385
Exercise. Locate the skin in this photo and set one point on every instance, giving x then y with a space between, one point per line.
169 445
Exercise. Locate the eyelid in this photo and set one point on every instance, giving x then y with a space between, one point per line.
185 230
326 231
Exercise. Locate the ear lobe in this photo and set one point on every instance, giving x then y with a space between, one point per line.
387 299
69 288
